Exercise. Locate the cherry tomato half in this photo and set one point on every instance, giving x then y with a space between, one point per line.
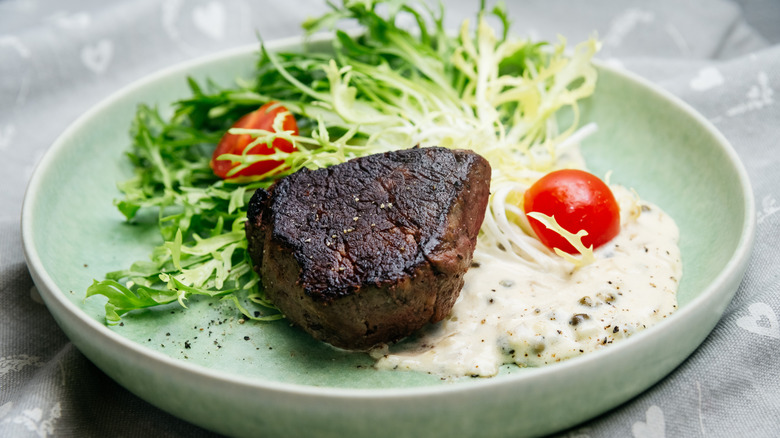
578 201
262 118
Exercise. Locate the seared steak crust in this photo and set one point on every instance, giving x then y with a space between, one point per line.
368 251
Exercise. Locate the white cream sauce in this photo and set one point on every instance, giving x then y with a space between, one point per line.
511 313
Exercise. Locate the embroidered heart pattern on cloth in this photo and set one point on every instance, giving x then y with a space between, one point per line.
97 57
769 206
708 78
761 321
655 427
17 363
15 44
210 19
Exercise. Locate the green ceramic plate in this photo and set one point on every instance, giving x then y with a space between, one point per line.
270 379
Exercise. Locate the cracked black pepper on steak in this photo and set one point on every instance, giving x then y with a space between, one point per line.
369 251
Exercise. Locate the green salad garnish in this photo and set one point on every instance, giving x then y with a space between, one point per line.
381 88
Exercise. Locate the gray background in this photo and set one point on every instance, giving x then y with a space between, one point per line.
57 59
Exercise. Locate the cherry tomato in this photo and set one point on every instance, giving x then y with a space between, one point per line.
578 201
263 118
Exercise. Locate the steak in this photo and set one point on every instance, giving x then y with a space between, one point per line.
369 251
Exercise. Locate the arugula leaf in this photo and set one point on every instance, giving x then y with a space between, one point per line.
122 300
